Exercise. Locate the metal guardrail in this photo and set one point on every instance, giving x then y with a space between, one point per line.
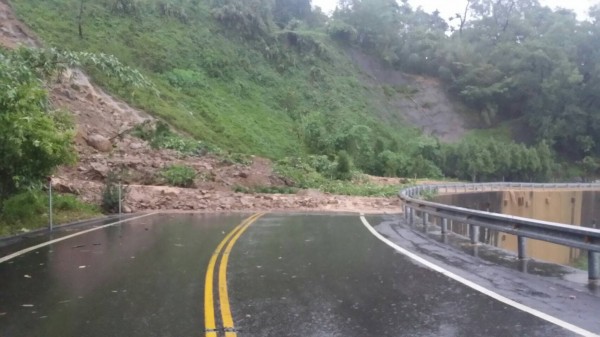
562 234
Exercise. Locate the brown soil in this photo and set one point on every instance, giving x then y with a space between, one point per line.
429 108
97 114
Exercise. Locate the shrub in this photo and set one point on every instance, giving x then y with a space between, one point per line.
344 166
110 194
179 175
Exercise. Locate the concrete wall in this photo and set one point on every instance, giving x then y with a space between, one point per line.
569 207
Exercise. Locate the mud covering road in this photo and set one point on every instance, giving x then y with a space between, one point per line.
288 275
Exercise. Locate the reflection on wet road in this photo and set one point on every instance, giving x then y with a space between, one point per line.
287 275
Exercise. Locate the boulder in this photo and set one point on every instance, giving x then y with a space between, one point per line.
62 186
99 143
98 171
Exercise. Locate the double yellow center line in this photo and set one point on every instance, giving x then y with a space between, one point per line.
209 302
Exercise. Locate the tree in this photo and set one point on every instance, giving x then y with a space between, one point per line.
344 166
34 139
286 10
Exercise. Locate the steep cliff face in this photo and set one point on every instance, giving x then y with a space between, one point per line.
420 101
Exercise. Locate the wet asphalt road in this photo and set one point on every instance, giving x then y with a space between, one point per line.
288 275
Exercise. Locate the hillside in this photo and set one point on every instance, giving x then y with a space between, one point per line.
254 96
105 144
224 88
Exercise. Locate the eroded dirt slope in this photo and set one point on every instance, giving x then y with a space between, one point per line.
420 101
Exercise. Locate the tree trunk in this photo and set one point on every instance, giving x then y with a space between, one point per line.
80 19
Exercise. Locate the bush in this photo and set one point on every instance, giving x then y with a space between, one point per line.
344 166
179 175
110 194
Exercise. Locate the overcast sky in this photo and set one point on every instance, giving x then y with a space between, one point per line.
450 7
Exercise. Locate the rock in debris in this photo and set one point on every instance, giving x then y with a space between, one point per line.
99 143
63 186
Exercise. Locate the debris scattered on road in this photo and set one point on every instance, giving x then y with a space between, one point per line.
27 305
78 246
82 267
27 276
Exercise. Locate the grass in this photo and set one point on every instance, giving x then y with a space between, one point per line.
29 211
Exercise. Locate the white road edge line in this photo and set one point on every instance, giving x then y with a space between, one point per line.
27 250
475 286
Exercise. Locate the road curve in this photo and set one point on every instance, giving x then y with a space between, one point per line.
285 275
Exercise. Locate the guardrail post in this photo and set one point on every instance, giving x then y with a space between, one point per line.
593 265
474 234
522 247
425 222
405 212
411 216
444 226
50 208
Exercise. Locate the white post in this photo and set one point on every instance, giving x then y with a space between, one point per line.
120 201
50 203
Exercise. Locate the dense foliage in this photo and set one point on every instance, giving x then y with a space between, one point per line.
33 140
507 59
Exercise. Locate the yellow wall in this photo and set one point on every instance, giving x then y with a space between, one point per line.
556 206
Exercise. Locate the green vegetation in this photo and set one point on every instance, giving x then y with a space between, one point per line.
179 175
113 193
34 139
29 210
227 74
273 78
508 60
318 172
